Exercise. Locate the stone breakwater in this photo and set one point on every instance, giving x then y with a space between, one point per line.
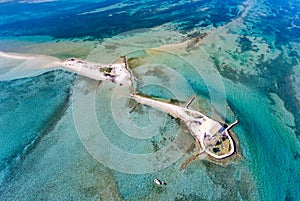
210 135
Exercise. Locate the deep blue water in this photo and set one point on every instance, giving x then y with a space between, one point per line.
61 20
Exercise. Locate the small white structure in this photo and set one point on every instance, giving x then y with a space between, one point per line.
159 182
117 73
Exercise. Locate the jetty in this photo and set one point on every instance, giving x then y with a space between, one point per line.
210 135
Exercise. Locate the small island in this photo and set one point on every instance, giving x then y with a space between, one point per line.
116 73
211 136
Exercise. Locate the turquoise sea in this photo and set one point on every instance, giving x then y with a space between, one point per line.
65 137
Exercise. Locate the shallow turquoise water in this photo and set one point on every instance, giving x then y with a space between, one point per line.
271 147
41 156
30 107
